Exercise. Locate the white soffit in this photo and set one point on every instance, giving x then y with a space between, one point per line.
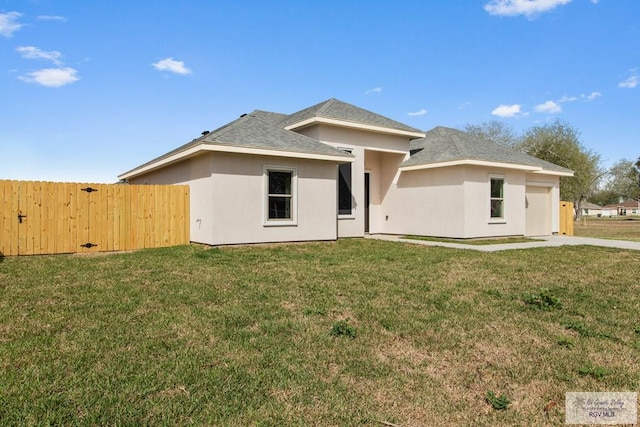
527 168
353 125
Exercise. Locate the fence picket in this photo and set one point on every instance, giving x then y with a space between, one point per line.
60 217
566 218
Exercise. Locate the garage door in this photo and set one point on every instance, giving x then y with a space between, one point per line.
538 211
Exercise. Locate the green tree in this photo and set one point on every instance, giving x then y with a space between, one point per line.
559 143
496 131
624 180
604 197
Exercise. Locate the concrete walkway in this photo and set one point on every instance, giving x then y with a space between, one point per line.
544 241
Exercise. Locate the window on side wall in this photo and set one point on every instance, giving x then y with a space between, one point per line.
345 196
280 189
497 197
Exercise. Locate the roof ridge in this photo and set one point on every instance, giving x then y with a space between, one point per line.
454 140
227 127
279 128
326 105
286 130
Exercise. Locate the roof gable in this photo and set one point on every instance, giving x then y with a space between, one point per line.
340 111
442 145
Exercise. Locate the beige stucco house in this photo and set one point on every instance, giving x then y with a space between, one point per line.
336 170
625 208
591 209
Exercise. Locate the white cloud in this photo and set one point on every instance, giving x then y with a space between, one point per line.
376 90
595 1
169 64
52 18
528 8
508 111
548 107
9 23
586 98
591 96
32 52
421 112
52 77
631 81
464 105
568 99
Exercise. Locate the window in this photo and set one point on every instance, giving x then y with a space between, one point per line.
281 193
345 196
497 197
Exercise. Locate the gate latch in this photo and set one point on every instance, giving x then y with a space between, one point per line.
20 216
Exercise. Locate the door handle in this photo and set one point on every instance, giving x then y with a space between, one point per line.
20 216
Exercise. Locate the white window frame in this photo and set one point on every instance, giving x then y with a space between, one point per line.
498 219
293 221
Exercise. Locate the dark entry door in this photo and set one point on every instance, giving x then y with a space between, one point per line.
366 202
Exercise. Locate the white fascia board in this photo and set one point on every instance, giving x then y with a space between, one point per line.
473 163
550 172
231 149
161 162
276 153
353 125
385 150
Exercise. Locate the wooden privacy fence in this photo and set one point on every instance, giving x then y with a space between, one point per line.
53 218
566 218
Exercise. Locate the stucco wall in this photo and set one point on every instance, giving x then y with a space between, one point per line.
478 221
362 144
228 198
427 202
455 202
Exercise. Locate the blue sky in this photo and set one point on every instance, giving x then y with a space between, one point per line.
91 89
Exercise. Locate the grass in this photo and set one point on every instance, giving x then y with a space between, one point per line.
482 241
354 332
608 228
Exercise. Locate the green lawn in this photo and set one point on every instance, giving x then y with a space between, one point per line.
354 332
620 228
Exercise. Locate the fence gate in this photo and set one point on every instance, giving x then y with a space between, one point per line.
49 218
566 218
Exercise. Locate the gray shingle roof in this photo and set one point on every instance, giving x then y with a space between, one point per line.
255 130
335 109
443 144
589 205
274 118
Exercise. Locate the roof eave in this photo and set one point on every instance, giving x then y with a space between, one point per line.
204 147
353 125
552 172
470 162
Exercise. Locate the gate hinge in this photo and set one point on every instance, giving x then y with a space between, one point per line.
88 245
89 189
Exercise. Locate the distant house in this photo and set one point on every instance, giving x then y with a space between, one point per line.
626 208
336 170
590 209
